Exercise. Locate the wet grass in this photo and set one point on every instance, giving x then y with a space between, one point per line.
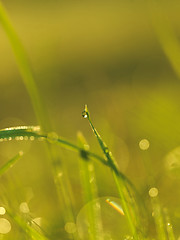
133 205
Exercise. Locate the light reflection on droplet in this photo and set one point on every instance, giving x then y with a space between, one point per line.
21 138
144 144
26 138
17 138
5 226
23 207
70 227
153 192
84 114
10 138
113 224
116 206
2 210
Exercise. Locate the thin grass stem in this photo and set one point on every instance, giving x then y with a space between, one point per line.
113 166
90 191
10 163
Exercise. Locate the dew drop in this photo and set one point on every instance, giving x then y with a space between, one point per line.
153 192
84 114
2 210
112 224
70 227
144 144
5 226
52 137
23 207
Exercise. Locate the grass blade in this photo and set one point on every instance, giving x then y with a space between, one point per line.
24 68
26 227
90 191
10 163
33 133
28 79
115 170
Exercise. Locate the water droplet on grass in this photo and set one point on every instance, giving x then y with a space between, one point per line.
5 226
84 114
114 223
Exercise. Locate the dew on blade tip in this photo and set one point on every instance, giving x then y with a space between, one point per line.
84 114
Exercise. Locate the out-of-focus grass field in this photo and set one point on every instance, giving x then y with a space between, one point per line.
105 54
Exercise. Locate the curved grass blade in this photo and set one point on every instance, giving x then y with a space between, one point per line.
120 185
30 84
24 68
33 133
10 163
19 133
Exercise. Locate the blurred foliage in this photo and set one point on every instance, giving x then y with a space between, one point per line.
105 54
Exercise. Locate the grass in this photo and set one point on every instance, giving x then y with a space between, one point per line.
131 201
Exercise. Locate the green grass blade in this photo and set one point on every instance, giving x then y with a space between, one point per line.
113 166
10 163
169 227
158 218
90 191
26 227
165 34
33 133
28 79
24 67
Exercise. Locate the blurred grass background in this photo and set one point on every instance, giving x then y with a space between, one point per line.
105 54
